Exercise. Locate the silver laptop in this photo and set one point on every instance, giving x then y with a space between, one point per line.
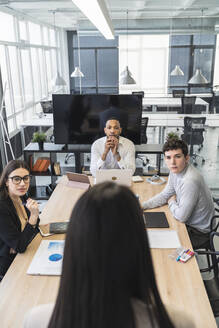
120 176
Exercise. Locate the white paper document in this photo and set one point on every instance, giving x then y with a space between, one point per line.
48 258
163 239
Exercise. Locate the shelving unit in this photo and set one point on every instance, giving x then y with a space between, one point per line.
79 151
52 150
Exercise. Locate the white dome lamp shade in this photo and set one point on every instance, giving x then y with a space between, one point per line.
177 71
126 77
77 72
198 78
59 81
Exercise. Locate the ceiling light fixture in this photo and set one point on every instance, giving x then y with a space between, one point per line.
97 12
77 71
177 71
58 80
198 77
126 75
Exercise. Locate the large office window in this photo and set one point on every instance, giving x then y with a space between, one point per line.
192 52
35 33
6 24
147 59
28 63
99 64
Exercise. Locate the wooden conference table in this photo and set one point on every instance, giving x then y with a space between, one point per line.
180 285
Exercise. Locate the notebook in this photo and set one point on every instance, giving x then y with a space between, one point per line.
155 220
120 176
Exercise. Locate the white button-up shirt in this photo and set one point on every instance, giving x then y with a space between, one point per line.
126 151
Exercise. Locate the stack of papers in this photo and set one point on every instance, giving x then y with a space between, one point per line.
163 239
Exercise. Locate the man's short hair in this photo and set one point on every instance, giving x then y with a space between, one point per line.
173 144
113 118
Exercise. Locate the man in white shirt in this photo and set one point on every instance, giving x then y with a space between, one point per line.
112 151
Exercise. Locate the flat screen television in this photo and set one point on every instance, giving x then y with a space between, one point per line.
80 119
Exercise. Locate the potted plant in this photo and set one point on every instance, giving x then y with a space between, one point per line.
39 137
172 135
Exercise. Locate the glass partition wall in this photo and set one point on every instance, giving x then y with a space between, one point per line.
152 58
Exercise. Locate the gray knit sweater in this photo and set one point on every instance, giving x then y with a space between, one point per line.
194 205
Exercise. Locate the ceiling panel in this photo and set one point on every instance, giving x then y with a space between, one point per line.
142 14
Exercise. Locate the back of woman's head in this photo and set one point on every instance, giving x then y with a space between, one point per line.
106 234
10 167
106 260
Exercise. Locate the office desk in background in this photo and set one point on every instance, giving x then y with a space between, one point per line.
180 284
45 121
168 120
169 102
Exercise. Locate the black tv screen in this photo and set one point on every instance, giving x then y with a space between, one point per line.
80 119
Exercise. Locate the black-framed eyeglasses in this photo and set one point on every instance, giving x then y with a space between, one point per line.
17 180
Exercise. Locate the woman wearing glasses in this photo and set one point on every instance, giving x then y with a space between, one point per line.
18 221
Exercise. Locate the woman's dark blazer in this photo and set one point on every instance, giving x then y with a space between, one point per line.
11 235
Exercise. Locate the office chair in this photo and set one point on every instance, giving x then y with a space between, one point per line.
188 104
140 93
47 106
144 124
216 103
144 139
178 93
68 156
193 135
210 101
207 245
216 201
212 285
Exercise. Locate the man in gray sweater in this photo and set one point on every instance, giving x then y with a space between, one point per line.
188 197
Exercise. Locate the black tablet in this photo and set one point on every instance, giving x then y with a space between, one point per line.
58 227
155 220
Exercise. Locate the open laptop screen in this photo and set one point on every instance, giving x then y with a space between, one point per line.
120 176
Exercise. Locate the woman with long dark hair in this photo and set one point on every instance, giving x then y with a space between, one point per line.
18 219
107 275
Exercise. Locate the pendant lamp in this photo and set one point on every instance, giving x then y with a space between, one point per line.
198 77
77 71
126 75
58 80
177 71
